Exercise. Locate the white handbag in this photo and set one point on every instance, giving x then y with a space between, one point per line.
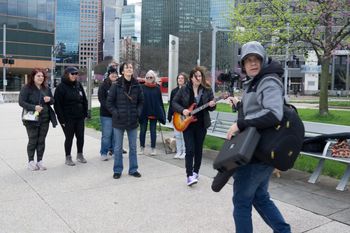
29 115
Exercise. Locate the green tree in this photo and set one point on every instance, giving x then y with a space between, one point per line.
320 25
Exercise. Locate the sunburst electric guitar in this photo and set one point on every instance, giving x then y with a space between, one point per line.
181 122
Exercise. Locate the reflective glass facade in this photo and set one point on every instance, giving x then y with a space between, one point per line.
182 18
68 30
30 28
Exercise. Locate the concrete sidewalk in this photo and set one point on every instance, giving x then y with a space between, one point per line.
86 198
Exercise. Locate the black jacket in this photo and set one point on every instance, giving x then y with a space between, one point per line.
102 97
185 98
170 110
30 96
70 101
153 104
125 105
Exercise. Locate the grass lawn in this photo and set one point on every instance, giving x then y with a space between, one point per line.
303 163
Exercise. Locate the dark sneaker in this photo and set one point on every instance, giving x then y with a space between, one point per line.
116 175
69 161
136 174
81 159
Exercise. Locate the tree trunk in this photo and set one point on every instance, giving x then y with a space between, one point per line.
325 77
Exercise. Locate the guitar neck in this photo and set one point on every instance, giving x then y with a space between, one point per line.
204 106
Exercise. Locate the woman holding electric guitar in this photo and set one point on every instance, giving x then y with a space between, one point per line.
197 92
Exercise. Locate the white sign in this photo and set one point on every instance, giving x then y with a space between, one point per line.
310 69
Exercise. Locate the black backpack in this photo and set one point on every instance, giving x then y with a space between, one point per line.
279 146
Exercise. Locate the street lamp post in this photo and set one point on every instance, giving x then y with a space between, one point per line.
286 65
199 48
213 51
4 55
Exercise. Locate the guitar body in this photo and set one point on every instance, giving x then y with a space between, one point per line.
181 122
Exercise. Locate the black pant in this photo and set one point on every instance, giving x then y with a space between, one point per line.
36 136
74 127
194 138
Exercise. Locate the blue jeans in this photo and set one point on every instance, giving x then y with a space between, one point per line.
118 150
107 140
153 132
250 188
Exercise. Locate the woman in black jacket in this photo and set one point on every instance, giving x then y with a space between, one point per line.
124 101
71 108
181 80
107 140
199 92
37 97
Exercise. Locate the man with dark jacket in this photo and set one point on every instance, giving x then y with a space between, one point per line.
71 107
125 101
261 107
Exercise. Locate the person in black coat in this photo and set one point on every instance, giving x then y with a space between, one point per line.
37 97
152 111
199 92
181 80
124 101
71 107
107 140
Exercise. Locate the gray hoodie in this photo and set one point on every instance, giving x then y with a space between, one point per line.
262 101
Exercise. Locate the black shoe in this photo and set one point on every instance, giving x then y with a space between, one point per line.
221 179
116 175
136 174
124 151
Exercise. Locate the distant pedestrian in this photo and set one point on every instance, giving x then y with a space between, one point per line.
199 92
124 101
181 80
107 139
152 111
262 107
36 96
71 107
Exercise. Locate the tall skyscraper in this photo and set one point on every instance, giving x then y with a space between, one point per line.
68 31
30 32
129 25
90 43
225 51
182 18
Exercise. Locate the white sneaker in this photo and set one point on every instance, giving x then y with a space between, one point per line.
196 175
32 166
104 158
182 156
191 180
41 166
177 155
142 151
153 152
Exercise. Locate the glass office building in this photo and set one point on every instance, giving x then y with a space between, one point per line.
68 30
182 18
30 32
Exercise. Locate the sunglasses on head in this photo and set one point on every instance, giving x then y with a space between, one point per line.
74 73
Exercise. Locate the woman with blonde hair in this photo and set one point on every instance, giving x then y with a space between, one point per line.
181 81
152 111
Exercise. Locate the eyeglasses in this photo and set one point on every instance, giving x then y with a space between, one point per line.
149 77
75 73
